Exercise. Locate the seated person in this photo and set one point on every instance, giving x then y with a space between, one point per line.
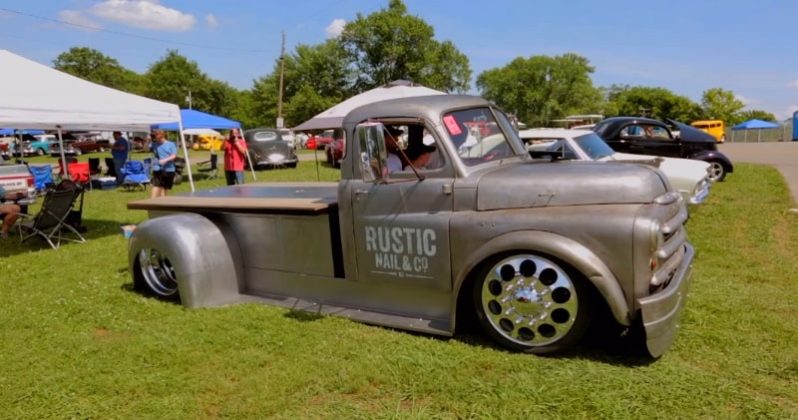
394 162
8 211
422 156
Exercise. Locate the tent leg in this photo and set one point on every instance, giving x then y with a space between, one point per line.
63 156
185 153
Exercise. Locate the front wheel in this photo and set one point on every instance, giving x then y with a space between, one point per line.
530 303
101 149
717 172
40 152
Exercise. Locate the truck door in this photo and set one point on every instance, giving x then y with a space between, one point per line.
400 218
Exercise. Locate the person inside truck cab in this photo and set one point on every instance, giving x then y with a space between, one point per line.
422 156
394 161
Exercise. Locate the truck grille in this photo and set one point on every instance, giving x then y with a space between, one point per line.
671 251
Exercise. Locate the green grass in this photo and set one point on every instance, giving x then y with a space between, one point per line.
76 341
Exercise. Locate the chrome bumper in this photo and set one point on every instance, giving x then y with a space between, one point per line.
660 311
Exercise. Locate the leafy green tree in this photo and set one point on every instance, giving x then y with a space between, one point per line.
721 104
391 45
171 78
754 114
541 88
652 102
94 66
315 78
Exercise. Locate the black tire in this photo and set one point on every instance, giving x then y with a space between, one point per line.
155 275
101 149
717 171
78 152
530 303
40 152
292 165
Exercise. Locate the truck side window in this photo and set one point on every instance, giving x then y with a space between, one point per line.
373 157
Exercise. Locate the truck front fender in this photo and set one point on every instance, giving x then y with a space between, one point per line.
200 254
569 251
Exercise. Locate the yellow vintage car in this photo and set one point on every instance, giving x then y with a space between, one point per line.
715 128
207 142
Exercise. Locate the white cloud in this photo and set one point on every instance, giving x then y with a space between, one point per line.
211 20
78 18
746 101
335 28
145 14
793 84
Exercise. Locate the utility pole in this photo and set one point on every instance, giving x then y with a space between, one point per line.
188 99
280 94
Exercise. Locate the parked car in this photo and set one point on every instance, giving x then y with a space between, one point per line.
689 177
648 136
335 152
16 179
35 145
267 148
325 138
716 128
288 136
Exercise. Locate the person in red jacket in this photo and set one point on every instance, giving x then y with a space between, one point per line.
235 149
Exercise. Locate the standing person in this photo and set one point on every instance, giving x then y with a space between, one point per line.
163 167
235 150
120 151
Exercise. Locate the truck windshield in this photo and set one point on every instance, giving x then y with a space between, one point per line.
476 136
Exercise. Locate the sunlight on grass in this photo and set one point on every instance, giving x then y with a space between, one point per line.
78 342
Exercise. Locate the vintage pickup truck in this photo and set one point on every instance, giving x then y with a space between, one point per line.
532 250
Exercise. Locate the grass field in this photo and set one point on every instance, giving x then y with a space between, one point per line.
78 342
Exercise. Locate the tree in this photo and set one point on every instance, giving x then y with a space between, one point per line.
651 102
94 66
754 114
316 77
171 78
390 45
721 104
540 88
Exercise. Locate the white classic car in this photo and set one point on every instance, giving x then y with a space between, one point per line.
690 177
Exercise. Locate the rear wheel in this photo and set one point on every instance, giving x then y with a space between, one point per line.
530 303
40 152
717 172
101 149
157 274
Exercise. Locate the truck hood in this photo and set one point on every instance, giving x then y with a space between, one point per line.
526 185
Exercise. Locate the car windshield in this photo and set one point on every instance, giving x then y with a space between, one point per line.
265 136
593 146
477 136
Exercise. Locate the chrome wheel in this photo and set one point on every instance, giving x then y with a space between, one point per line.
716 171
158 273
530 303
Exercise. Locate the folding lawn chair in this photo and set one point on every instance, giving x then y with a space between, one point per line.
51 223
94 166
80 173
111 171
42 177
135 175
209 167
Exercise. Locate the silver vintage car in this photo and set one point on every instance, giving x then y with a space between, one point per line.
417 236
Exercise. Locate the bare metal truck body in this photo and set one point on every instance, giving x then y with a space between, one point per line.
531 248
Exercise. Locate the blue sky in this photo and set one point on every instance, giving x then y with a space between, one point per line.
686 46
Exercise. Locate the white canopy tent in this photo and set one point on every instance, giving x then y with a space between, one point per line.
37 96
334 117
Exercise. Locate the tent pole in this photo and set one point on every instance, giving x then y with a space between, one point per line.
185 152
63 156
249 159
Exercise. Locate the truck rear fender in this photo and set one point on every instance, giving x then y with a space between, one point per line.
569 251
202 256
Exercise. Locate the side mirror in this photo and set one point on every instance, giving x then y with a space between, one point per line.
372 156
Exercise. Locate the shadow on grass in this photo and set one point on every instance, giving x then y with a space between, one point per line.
95 229
303 316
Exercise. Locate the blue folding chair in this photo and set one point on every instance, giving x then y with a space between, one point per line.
135 175
42 176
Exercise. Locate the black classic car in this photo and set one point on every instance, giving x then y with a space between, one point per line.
671 138
268 149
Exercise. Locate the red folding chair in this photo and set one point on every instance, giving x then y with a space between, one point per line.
80 173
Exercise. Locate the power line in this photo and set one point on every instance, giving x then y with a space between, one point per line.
127 34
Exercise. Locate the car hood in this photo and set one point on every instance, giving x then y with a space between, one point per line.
683 174
691 134
567 183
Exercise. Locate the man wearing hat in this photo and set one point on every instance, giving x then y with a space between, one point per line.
421 155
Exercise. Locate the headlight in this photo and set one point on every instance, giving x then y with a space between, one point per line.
276 157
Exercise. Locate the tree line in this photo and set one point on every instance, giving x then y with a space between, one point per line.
389 45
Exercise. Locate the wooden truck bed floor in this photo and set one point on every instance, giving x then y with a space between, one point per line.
301 198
